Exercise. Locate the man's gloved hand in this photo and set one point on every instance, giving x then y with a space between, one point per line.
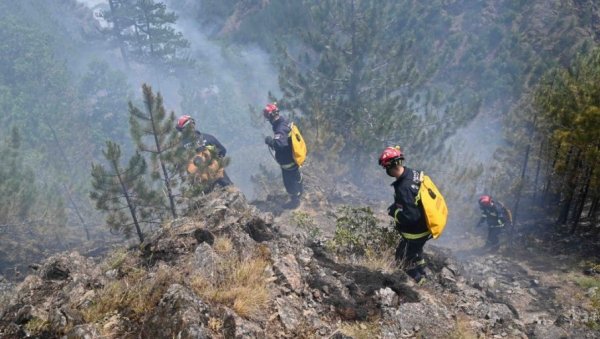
392 210
269 141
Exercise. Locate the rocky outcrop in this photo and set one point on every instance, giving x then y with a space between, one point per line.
227 271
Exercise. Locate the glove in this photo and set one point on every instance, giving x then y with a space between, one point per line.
392 210
269 141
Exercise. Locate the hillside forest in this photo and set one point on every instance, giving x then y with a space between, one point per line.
488 97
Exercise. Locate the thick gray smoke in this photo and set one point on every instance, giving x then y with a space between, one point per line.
218 94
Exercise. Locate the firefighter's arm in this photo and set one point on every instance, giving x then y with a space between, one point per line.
408 211
481 221
221 150
280 141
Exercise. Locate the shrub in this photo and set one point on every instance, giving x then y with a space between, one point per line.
357 233
305 222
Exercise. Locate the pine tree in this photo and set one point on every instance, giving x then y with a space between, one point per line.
362 78
144 32
154 133
123 193
569 102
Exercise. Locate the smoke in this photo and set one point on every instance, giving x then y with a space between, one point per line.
225 82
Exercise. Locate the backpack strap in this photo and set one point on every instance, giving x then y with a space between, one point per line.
421 178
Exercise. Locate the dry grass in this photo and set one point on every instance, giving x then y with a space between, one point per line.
239 284
222 245
215 325
134 296
116 259
384 262
463 329
362 330
36 326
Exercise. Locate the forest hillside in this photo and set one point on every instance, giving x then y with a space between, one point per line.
138 138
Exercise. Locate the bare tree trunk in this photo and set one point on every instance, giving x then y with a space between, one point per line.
550 174
537 172
159 151
569 186
130 205
518 194
582 198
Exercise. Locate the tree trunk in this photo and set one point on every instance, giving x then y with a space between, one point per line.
581 201
537 172
550 175
518 194
569 186
130 204
159 150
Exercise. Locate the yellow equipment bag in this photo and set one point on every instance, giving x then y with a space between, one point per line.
434 206
298 145
204 166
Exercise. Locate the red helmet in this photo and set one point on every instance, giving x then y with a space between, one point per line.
390 156
270 110
485 201
183 121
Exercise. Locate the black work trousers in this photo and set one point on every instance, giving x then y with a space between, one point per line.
292 180
410 253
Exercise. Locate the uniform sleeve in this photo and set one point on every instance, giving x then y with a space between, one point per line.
280 139
408 212
211 140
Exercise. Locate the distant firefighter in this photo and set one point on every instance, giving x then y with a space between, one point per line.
203 165
497 217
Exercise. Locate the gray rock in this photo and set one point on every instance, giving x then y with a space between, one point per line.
236 327
287 268
24 314
205 259
179 311
87 331
289 315
387 298
548 331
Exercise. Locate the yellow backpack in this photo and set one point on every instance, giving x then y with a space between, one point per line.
298 145
434 206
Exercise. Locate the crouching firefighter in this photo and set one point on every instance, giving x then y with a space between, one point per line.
199 142
290 171
497 218
407 213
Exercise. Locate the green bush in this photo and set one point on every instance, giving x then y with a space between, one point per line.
357 233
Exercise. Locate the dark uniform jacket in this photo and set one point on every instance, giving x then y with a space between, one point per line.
496 215
203 140
408 214
283 149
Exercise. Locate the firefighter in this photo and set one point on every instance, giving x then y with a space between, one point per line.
407 213
497 217
194 139
290 171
